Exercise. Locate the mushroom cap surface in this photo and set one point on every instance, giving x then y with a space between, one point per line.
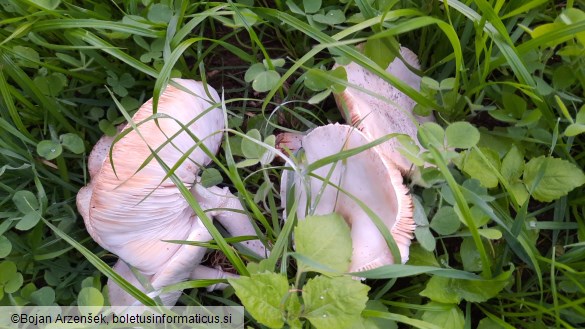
366 176
377 118
131 210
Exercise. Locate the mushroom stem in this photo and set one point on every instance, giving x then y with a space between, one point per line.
172 272
228 211
203 272
362 185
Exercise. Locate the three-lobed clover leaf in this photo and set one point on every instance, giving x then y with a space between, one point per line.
120 83
263 77
50 149
10 279
28 205
254 151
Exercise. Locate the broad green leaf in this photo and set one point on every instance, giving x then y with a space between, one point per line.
462 135
27 57
334 302
571 16
544 29
311 6
294 311
211 177
332 17
520 192
247 163
267 155
319 97
51 85
574 129
48 4
581 115
490 233
514 105
447 84
480 218
107 127
449 316
513 164
325 240
251 148
265 81
425 238
126 80
418 256
445 221
487 323
263 191
130 103
278 62
473 165
316 80
14 283
43 297
434 135
551 178
27 290
73 143
160 13
28 221
378 50
49 149
480 291
429 83
5 246
90 296
470 256
294 8
438 290
410 150
10 279
563 77
25 201
253 71
7 271
261 294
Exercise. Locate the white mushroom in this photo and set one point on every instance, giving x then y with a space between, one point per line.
131 209
366 176
376 117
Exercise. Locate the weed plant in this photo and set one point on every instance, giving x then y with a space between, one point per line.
500 238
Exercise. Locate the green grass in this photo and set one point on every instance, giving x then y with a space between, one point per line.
510 252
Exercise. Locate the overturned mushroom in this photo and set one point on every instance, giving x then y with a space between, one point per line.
365 176
131 209
376 117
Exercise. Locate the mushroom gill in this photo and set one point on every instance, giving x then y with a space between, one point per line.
132 208
366 176
377 117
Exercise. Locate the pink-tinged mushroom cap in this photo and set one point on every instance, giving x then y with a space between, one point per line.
142 199
131 209
376 117
366 176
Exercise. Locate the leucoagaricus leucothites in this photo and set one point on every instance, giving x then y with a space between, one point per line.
372 176
390 114
132 209
365 176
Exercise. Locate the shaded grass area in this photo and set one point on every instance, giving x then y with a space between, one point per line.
512 68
